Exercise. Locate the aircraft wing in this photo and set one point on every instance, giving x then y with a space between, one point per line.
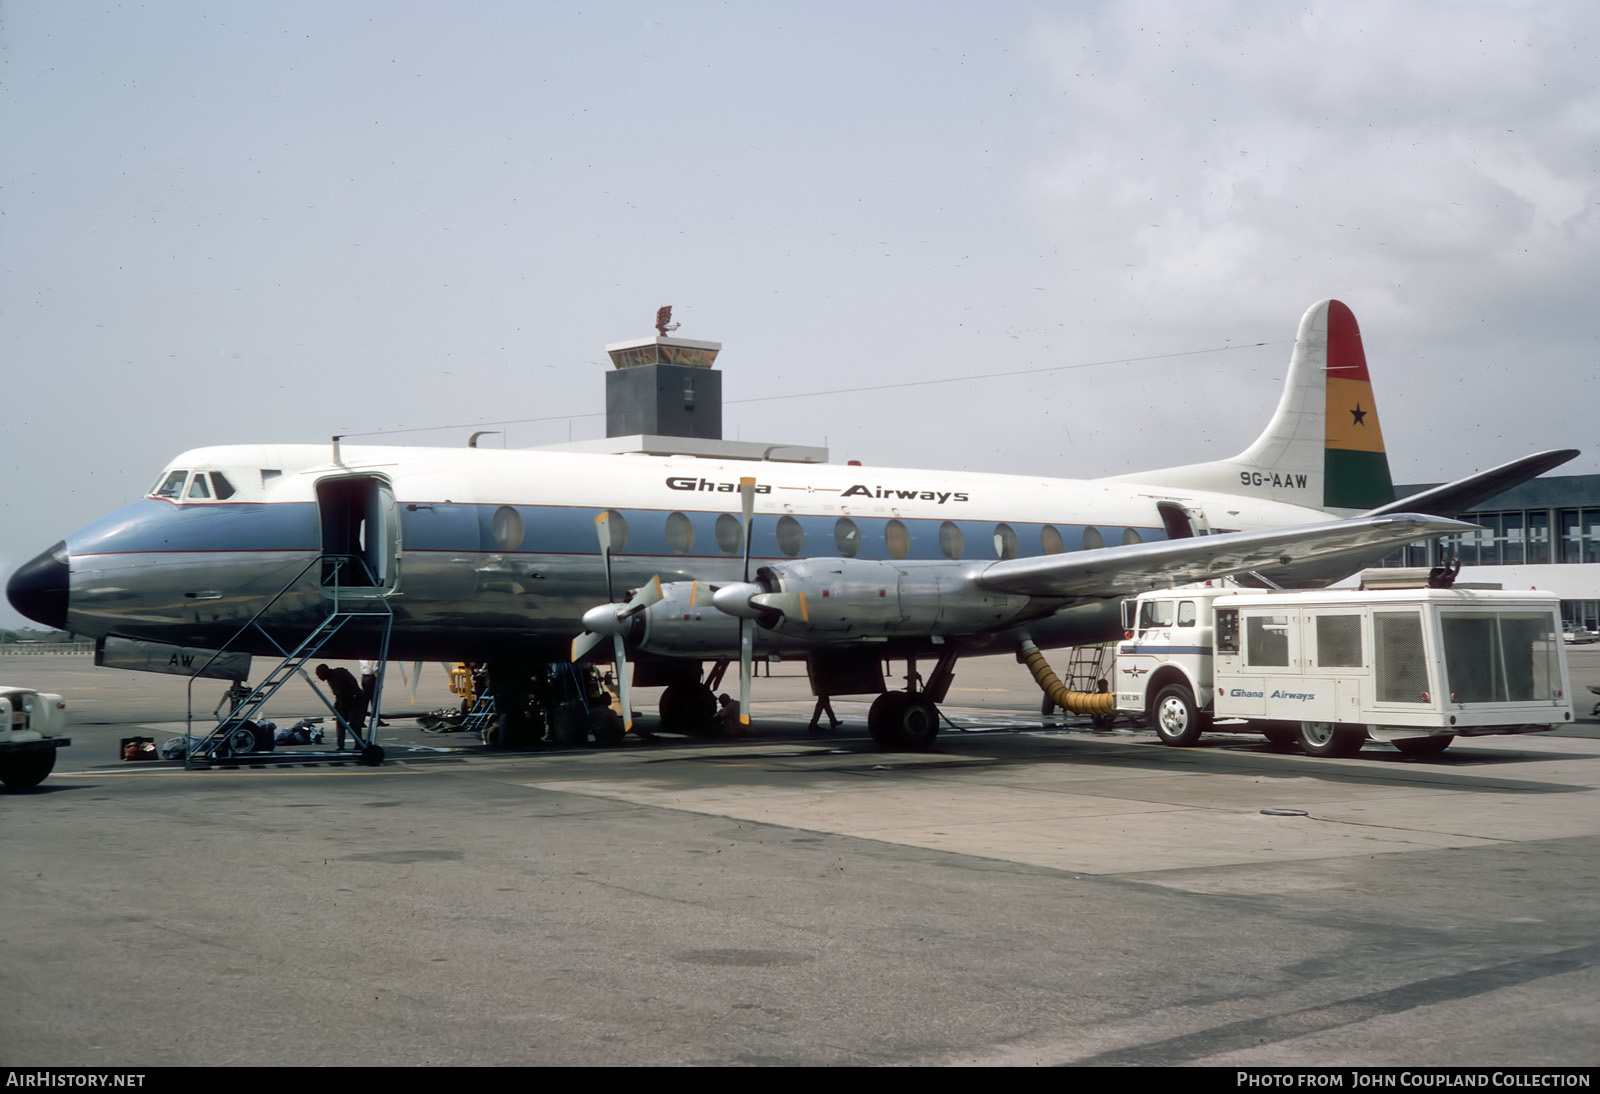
1463 494
1118 571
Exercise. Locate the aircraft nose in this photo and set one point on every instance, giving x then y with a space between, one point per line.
39 589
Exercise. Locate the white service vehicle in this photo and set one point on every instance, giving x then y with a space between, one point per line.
30 732
1332 669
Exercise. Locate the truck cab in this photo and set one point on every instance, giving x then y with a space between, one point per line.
1163 671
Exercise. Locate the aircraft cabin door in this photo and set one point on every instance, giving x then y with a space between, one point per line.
360 534
1182 521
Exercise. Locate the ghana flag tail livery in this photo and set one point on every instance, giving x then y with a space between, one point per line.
1355 469
1323 448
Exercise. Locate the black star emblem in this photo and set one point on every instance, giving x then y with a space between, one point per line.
1358 416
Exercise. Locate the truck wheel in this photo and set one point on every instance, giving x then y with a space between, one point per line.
1280 735
1425 746
26 770
1328 739
1177 721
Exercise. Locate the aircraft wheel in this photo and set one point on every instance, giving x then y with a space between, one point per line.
569 724
687 708
1425 746
607 727
906 723
1177 722
1329 739
883 715
26 770
371 756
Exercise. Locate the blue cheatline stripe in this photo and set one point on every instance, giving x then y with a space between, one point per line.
155 526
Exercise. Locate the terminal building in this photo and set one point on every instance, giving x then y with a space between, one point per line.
1544 534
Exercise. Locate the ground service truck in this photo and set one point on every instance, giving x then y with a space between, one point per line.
30 732
1411 665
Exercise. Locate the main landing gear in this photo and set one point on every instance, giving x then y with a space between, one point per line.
908 721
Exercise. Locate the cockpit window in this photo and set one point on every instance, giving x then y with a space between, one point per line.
223 487
172 487
198 487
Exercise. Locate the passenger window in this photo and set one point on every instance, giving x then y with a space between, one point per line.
847 537
1050 540
1131 536
1185 613
1005 541
1092 539
680 533
730 534
172 487
791 537
897 539
507 528
951 541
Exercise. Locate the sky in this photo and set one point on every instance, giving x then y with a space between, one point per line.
230 222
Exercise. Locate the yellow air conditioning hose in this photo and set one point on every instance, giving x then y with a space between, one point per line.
1078 702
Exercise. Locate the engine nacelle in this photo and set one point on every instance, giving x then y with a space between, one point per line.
852 598
684 623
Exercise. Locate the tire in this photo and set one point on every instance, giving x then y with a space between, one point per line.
569 724
1176 720
1331 739
1425 746
26 770
687 708
607 727
1280 735
371 756
882 716
902 722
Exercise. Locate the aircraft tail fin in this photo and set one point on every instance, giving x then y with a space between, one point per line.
1323 447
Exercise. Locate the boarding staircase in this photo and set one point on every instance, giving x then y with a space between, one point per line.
235 733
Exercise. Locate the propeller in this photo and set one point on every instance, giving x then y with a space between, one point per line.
613 619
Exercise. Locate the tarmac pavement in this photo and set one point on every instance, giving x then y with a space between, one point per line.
1022 894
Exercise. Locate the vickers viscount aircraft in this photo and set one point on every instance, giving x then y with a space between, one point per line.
512 557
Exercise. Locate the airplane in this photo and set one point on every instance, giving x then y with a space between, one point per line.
515 557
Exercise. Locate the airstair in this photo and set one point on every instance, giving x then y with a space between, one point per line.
237 733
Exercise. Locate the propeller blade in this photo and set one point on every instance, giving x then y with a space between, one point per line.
792 605
602 528
747 636
622 684
585 642
747 507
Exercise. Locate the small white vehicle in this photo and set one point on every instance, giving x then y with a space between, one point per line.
30 732
1332 669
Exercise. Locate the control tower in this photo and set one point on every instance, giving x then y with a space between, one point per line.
664 398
